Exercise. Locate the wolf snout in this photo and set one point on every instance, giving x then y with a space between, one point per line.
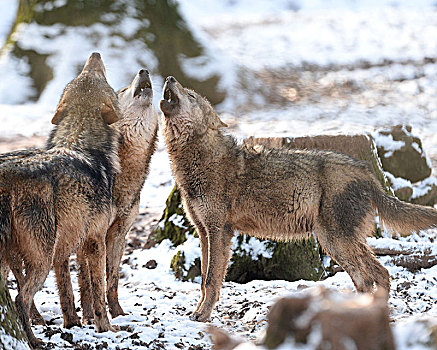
171 79
96 55
95 64
143 85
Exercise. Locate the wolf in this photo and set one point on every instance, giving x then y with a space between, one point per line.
275 194
138 130
59 199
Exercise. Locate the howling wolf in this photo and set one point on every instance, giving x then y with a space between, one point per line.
274 194
59 199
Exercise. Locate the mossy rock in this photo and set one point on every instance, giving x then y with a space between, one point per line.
12 335
284 261
173 224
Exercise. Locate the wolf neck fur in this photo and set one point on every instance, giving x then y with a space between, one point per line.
210 148
138 137
87 135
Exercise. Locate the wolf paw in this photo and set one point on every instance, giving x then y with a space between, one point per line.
38 320
88 321
73 321
116 310
104 326
114 328
35 342
200 317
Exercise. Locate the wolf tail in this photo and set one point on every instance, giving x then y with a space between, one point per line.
402 216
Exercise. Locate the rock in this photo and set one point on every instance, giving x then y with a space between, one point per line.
402 153
151 264
404 193
327 319
173 224
406 165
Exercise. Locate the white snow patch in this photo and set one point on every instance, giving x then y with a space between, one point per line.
387 142
253 247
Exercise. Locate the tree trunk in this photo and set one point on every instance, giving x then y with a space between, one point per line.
12 335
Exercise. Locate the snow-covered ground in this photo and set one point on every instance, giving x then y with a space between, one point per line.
310 67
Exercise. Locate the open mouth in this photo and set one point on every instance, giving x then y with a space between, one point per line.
144 86
170 96
170 101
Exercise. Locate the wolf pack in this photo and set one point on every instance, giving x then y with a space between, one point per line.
80 194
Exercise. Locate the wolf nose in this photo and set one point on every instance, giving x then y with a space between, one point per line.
171 79
142 71
95 55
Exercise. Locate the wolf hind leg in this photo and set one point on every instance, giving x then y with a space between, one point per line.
33 281
357 259
17 269
95 253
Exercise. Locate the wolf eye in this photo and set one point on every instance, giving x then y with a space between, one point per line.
122 90
191 95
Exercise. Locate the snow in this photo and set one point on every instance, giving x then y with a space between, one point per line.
387 142
377 47
12 343
252 247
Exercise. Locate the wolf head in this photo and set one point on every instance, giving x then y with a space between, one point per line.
138 95
186 112
89 92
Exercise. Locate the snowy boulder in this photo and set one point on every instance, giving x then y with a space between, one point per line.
406 165
402 153
321 319
326 319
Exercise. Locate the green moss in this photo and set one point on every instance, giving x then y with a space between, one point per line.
177 264
166 228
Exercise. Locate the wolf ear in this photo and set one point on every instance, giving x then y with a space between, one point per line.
217 123
110 114
59 114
